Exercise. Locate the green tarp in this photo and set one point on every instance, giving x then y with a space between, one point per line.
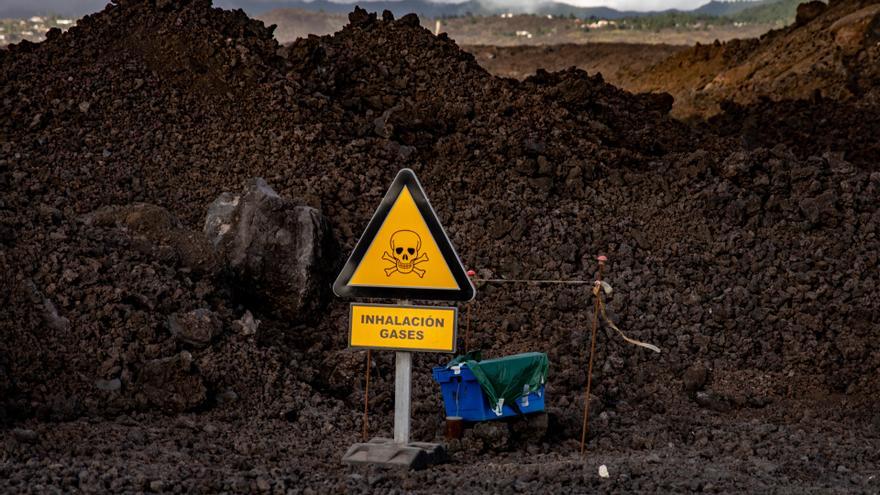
508 378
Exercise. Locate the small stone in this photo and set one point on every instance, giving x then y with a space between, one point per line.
186 423
603 471
84 107
808 11
247 324
821 209
736 164
156 486
263 485
137 436
360 18
409 20
713 401
25 436
405 152
227 396
38 118
165 4
695 378
196 327
171 384
495 435
53 319
108 385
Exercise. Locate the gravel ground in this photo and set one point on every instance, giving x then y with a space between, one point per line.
132 358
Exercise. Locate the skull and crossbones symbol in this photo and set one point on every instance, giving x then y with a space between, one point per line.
405 255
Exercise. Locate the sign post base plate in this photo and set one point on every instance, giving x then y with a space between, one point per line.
386 452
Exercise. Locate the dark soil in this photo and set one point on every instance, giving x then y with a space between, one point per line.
754 266
831 50
619 63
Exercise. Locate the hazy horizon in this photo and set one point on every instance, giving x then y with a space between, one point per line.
77 8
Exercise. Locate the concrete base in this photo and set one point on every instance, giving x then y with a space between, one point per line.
385 452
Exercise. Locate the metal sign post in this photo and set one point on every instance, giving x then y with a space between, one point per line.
402 395
403 254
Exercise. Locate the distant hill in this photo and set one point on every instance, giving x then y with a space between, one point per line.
780 11
719 9
744 10
776 13
426 8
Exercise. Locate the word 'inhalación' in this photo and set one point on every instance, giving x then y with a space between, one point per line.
406 321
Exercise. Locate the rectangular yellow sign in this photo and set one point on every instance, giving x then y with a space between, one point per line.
405 328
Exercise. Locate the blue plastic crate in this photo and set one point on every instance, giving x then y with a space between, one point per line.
464 398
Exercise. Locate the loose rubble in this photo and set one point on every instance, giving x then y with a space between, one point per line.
125 298
831 51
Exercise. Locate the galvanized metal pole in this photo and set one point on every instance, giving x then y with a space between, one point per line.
402 392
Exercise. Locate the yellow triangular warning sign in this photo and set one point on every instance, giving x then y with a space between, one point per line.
404 252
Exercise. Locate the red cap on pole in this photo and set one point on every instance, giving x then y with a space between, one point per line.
471 273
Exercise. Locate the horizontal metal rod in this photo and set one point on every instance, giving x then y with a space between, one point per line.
523 281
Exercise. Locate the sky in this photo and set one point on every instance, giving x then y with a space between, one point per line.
23 8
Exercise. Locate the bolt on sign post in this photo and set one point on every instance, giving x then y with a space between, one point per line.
403 254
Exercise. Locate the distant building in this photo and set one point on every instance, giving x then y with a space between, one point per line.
601 23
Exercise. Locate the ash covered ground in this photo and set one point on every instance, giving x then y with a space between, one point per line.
159 335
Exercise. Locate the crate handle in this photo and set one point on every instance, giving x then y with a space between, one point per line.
498 410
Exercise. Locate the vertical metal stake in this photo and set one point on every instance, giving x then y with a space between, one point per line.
402 393
597 293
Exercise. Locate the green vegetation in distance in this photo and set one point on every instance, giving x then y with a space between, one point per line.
779 13
783 11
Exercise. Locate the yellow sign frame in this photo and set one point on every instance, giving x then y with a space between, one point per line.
365 334
455 286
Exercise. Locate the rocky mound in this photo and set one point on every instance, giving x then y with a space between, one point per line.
831 51
296 23
754 269
808 127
